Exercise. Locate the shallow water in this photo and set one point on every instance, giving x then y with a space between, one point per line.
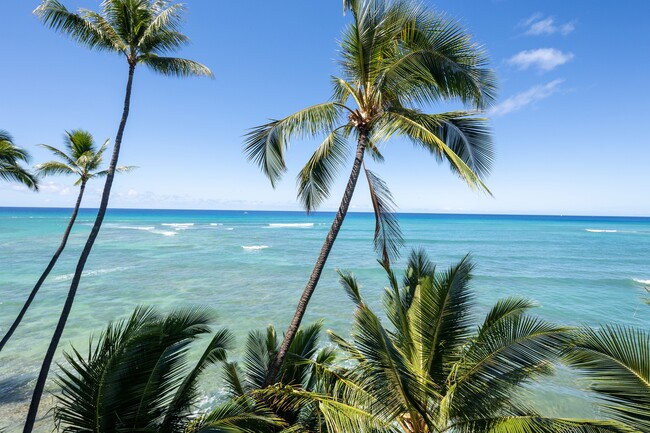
250 268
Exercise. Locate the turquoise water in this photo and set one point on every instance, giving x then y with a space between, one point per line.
250 267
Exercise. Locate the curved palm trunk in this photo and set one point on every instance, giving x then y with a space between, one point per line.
320 262
47 270
67 307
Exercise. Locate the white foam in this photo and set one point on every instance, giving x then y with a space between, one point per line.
68 277
178 226
216 224
254 247
601 231
146 228
296 225
163 232
644 282
230 228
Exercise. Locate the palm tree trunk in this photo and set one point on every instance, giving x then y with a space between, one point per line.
67 307
47 271
320 262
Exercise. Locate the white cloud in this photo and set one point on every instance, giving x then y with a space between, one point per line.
520 100
544 59
537 24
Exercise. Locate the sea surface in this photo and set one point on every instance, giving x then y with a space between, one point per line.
250 267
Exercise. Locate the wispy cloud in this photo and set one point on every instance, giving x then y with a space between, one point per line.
530 96
544 59
538 24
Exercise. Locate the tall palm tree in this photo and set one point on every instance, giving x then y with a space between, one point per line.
436 370
82 159
144 32
396 59
136 377
10 158
616 360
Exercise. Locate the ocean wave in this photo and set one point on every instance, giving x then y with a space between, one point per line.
216 224
254 247
644 282
146 228
163 232
67 277
601 231
293 225
178 226
230 228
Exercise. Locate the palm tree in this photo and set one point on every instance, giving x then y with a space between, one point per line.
435 370
299 374
82 159
144 32
396 59
616 360
136 377
10 158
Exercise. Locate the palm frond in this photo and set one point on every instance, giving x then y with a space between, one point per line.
318 175
388 237
616 360
175 67
265 144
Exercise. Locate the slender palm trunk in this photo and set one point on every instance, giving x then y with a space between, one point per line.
47 270
320 262
67 307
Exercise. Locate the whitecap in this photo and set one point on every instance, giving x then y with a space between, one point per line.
67 277
644 282
601 231
146 228
254 247
178 226
216 224
294 225
230 228
163 232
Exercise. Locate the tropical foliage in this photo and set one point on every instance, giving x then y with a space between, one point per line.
144 32
436 369
300 375
137 377
80 158
10 158
397 59
616 360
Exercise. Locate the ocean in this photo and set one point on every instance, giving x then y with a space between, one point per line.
250 267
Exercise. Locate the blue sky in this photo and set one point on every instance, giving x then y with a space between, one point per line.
570 126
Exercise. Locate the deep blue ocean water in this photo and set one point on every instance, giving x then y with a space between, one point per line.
250 268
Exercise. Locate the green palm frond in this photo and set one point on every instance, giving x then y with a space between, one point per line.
136 374
265 144
318 175
176 67
10 158
53 168
538 424
388 237
616 360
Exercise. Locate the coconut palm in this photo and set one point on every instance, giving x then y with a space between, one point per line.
299 374
10 158
396 59
144 32
435 369
616 360
137 377
80 158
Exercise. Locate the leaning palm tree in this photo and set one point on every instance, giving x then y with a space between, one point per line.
144 32
137 377
435 369
10 158
396 59
616 360
82 159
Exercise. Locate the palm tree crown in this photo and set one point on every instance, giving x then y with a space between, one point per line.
434 370
81 158
144 31
10 158
397 58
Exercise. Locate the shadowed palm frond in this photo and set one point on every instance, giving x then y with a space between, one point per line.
10 158
388 236
616 360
